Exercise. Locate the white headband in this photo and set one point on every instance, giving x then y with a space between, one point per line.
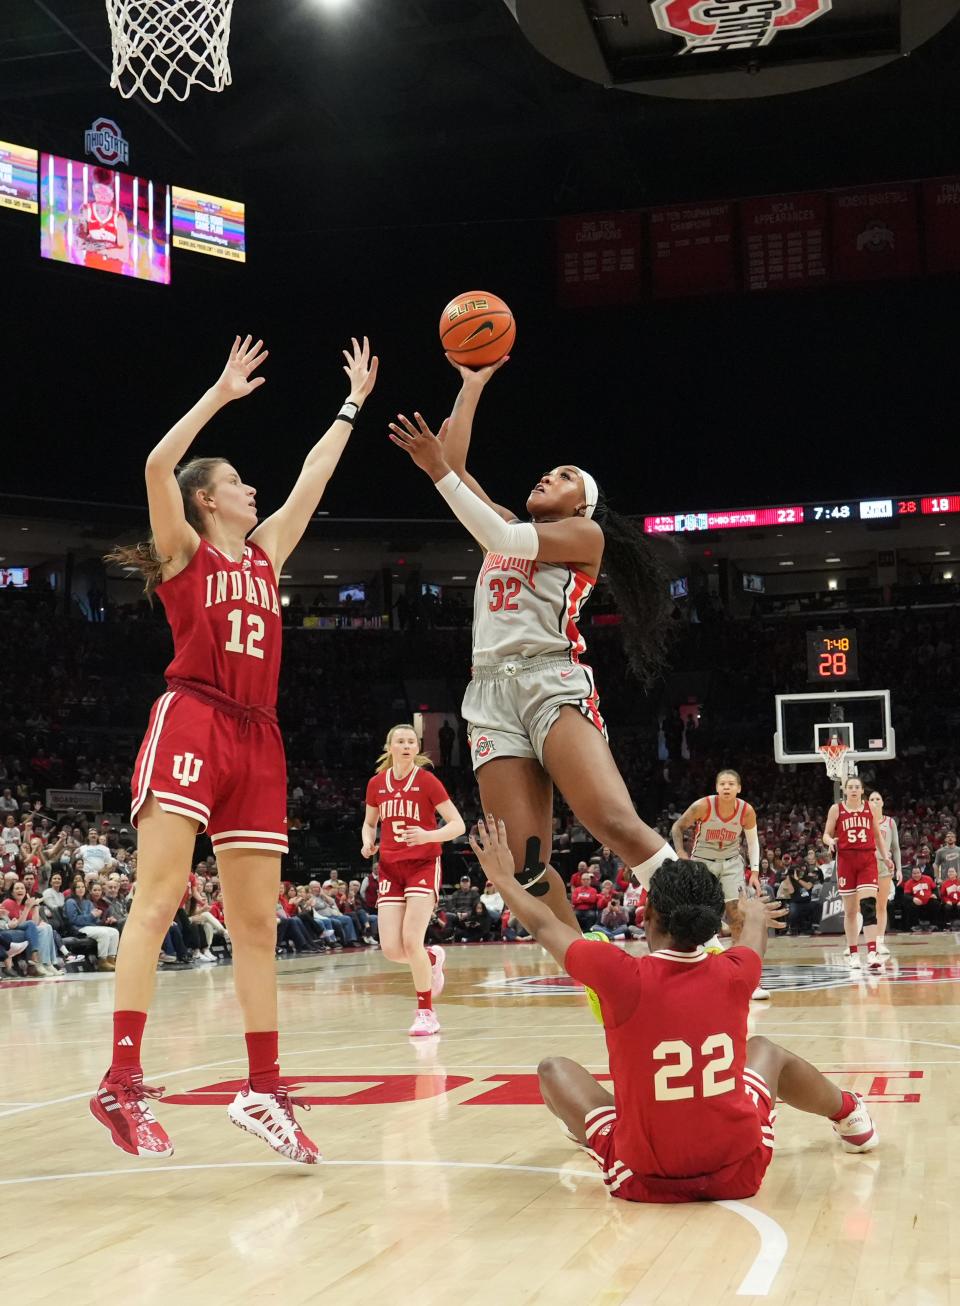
590 491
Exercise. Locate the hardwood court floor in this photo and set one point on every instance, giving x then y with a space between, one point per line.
445 1182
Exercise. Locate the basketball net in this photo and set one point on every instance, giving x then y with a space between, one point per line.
834 757
166 47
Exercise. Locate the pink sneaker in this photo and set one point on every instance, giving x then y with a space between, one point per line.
122 1107
270 1116
439 979
424 1024
857 1131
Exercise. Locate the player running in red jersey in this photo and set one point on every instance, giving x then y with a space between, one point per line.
692 1114
854 832
406 799
532 705
212 758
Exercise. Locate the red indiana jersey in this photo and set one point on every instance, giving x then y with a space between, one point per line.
225 618
412 801
854 832
676 1029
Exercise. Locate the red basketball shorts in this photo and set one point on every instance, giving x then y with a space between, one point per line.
856 870
229 776
402 879
742 1178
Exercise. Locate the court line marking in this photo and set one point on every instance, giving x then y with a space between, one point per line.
756 1283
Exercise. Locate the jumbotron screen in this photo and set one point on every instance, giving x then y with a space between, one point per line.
207 224
18 177
98 218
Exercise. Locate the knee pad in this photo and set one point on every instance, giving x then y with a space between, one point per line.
868 910
534 870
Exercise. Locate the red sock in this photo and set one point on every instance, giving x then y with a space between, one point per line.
872 947
425 1001
854 950
849 1104
127 1036
432 955
264 1072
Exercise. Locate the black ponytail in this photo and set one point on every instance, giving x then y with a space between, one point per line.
688 898
640 585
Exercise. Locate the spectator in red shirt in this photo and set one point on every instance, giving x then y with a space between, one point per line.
577 877
584 899
950 897
920 900
604 895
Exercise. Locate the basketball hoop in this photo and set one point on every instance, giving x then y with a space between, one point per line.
166 47
834 757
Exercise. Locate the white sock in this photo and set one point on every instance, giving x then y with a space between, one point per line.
643 873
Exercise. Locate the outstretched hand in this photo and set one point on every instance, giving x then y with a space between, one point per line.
235 380
425 448
490 847
476 376
361 369
771 915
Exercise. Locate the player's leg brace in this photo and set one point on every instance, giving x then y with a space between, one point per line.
531 877
868 910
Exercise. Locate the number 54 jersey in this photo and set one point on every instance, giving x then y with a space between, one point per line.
213 751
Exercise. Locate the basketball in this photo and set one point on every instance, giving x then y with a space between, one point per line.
477 329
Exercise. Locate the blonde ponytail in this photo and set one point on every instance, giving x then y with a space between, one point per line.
385 761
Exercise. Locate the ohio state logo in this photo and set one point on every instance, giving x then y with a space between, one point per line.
707 25
104 140
483 746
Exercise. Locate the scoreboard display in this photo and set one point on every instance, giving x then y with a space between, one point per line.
832 656
807 514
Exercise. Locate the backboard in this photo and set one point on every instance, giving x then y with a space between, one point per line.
860 719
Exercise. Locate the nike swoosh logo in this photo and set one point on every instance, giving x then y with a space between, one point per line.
564 674
477 331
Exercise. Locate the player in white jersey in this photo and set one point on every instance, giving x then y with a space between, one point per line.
721 822
532 705
888 877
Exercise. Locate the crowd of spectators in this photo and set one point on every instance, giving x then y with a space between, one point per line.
72 712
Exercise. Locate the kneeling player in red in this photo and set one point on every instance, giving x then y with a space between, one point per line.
406 799
212 758
692 1114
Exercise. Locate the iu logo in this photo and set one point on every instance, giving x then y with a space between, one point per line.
186 768
707 25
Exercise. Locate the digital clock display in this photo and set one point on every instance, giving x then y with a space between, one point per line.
832 512
831 656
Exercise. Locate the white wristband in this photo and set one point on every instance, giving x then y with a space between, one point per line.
514 539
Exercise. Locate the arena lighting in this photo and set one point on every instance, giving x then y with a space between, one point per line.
284 600
831 584
831 559
330 575
943 553
948 575
458 578
786 564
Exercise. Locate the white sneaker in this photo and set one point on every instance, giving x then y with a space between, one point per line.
207 956
424 1024
874 961
760 994
436 987
856 1131
15 949
882 949
270 1116
853 960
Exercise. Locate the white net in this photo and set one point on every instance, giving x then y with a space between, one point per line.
166 47
836 761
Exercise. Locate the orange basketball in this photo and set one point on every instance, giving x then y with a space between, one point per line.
477 329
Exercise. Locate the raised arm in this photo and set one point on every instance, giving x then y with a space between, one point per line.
758 916
493 853
456 432
576 541
695 812
174 538
280 534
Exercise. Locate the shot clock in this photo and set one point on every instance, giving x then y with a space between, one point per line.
832 656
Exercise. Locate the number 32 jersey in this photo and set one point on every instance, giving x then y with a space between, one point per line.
527 609
226 624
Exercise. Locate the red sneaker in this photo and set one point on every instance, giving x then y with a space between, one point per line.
122 1107
270 1116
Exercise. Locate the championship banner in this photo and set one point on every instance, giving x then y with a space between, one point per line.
941 214
598 259
84 800
692 250
875 233
784 240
